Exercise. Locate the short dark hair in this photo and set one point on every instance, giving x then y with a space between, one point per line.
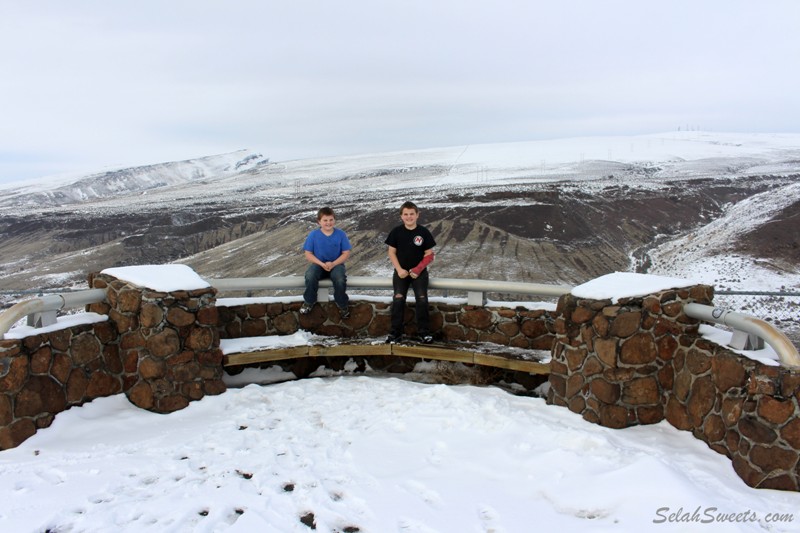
409 205
325 212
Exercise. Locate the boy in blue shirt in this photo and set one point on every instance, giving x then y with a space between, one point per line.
326 248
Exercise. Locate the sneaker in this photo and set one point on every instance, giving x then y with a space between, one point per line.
392 338
344 312
426 339
305 309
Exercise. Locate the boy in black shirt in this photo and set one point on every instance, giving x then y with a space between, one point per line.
410 251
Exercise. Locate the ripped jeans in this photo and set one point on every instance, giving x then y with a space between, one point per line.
400 287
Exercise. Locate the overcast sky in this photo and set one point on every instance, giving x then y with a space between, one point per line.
86 85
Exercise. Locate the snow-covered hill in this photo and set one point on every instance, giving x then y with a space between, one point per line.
58 191
560 211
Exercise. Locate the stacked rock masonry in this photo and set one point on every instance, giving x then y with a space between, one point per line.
642 360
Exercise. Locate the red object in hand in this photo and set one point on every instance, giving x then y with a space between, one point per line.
427 260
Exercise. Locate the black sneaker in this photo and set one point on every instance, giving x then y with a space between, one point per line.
305 309
426 339
344 312
392 338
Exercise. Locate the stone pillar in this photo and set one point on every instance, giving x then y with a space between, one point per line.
612 361
169 344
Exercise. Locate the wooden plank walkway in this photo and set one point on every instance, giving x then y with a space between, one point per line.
457 354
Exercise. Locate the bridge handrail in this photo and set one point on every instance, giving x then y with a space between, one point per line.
783 346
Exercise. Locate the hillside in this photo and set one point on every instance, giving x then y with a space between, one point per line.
549 211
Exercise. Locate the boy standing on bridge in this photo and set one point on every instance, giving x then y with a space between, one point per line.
326 248
410 251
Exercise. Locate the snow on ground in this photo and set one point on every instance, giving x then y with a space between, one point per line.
371 454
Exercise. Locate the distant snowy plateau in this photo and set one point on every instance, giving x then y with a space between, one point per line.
716 207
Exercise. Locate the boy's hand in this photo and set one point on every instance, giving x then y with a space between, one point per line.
402 273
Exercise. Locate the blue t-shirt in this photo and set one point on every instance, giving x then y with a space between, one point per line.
327 247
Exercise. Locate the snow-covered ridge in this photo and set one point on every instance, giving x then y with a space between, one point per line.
665 155
69 189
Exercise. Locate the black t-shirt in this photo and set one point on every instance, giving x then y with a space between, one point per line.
410 244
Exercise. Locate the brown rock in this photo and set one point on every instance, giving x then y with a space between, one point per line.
676 414
150 368
180 317
775 411
141 395
101 385
509 329
257 310
613 416
478 318
164 343
666 378
641 391
40 360
123 322
650 414
171 403
750 475
732 410
638 349
701 399
576 404
254 328
214 386
6 413
208 316
128 301
727 372
592 366
62 365
558 384
76 386
15 434
151 315
626 324
667 346
581 315
756 430
200 339
600 325
773 459
697 362
604 391
84 348
59 340
606 350
574 385
41 394
714 428
575 358
791 433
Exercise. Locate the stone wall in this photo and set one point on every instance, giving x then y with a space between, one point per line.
641 360
521 328
168 342
42 375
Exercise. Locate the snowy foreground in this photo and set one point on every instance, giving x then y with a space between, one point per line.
371 454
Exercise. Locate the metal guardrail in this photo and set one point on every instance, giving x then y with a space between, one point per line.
42 311
761 329
476 289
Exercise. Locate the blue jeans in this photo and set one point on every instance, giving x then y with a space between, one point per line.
338 277
420 286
